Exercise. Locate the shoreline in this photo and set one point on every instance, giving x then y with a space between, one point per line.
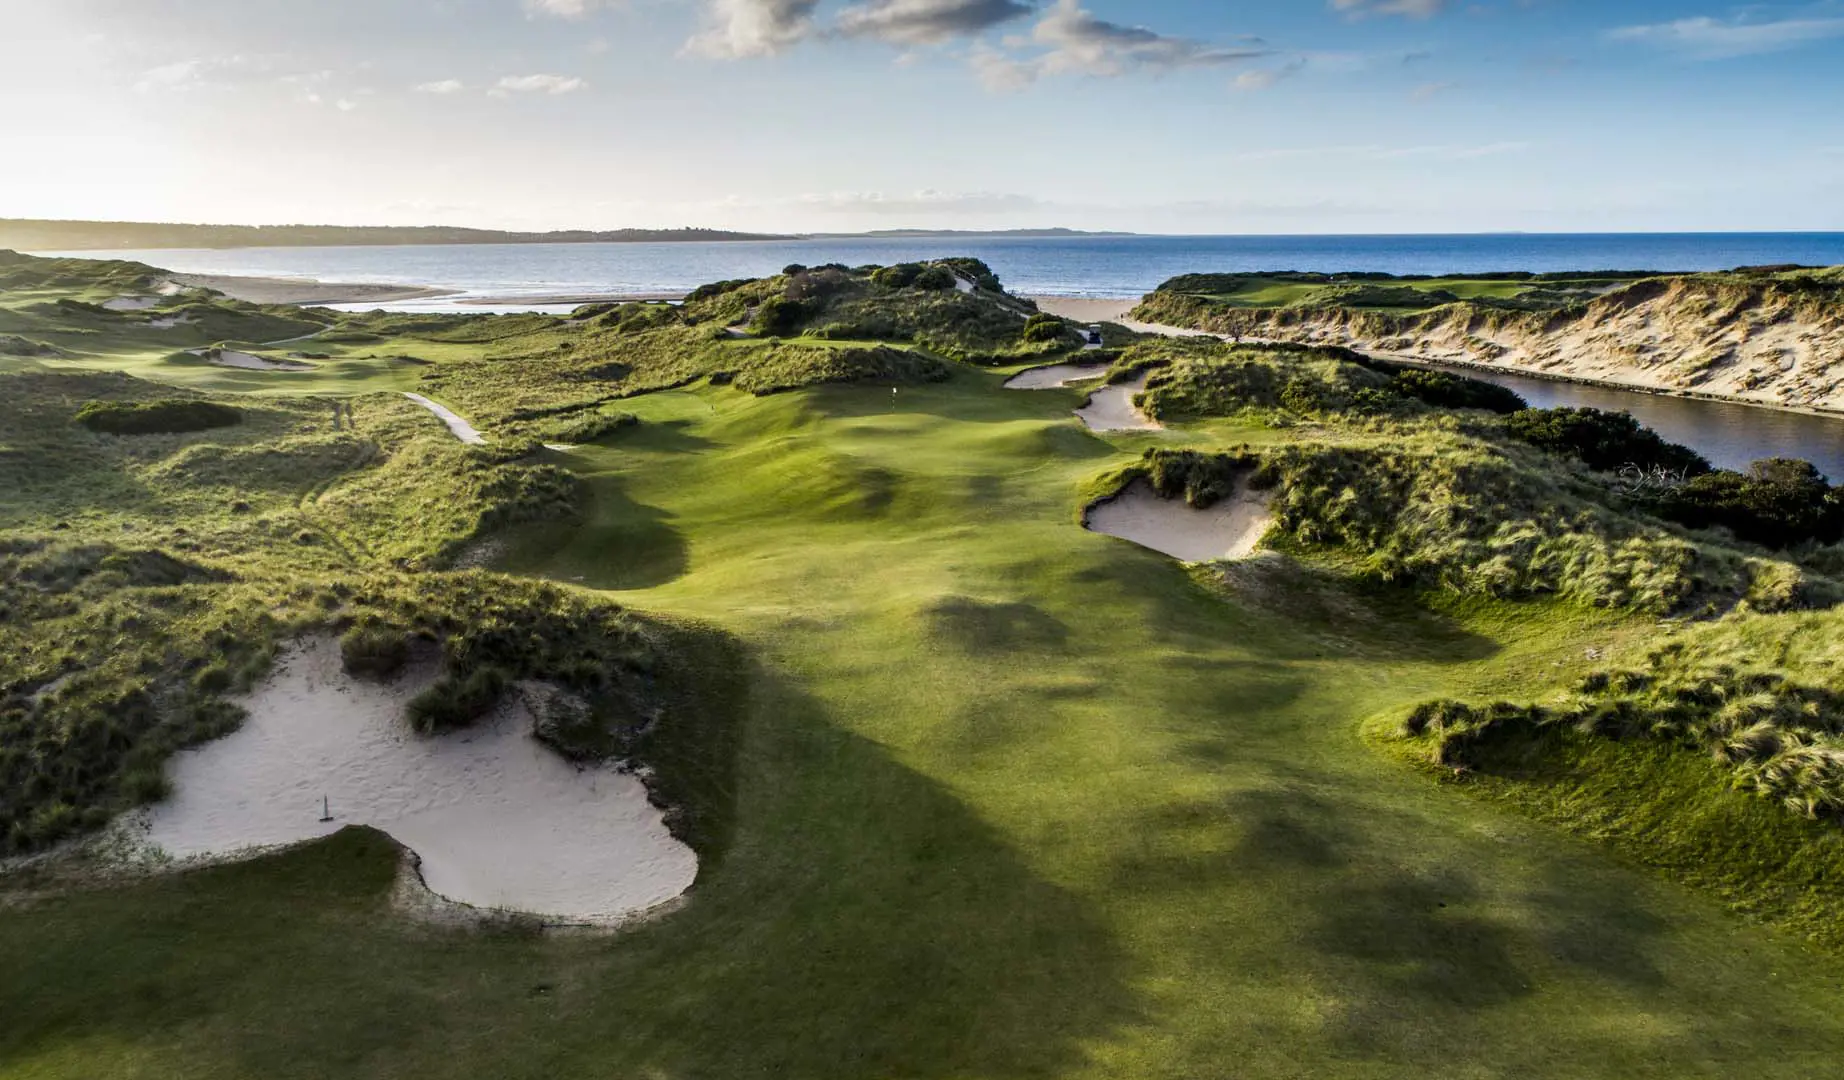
1096 310
578 299
306 292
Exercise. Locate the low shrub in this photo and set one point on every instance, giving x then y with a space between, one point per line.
1604 441
778 316
171 417
1040 329
1445 390
1777 503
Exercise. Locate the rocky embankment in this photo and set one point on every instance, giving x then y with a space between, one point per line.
1772 341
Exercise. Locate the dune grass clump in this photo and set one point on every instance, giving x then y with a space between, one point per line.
591 428
1757 695
170 417
1437 509
457 701
374 650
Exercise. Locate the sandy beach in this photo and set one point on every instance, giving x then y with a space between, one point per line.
549 299
305 291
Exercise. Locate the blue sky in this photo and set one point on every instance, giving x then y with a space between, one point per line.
823 115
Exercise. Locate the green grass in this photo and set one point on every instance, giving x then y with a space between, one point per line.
1001 798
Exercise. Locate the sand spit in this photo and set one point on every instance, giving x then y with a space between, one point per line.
1112 409
559 299
496 819
247 362
1231 529
462 429
1055 377
304 291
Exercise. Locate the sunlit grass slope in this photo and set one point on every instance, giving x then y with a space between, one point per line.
1012 800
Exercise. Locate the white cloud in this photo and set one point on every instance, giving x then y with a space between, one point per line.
537 84
1414 9
739 28
927 22
442 86
1706 38
566 9
1074 42
1263 78
172 76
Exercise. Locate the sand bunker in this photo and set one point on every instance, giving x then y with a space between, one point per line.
131 303
498 820
462 429
247 362
1229 530
1112 409
1055 376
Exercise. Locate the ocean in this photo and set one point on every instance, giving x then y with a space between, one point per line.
1065 266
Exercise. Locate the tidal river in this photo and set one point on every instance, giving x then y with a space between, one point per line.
1731 436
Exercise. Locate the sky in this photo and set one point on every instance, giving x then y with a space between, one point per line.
1172 116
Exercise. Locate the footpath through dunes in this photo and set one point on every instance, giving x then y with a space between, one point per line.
496 819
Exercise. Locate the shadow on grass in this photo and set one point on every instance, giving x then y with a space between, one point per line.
619 544
984 628
862 924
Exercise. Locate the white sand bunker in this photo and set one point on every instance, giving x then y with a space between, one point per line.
131 303
247 362
498 820
1229 530
1112 409
461 428
1055 377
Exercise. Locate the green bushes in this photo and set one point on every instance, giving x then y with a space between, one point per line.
1778 503
170 417
1445 390
925 276
1604 441
716 289
778 316
1045 328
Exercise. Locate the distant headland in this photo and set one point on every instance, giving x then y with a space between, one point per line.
22 234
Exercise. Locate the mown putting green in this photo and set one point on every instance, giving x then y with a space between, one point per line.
1012 799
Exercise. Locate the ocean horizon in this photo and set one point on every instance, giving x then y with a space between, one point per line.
1065 266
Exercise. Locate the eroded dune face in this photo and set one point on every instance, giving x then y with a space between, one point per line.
498 820
1229 530
1759 342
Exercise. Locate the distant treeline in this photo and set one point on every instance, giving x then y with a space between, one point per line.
28 235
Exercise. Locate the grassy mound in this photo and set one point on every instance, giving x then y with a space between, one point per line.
173 417
1438 509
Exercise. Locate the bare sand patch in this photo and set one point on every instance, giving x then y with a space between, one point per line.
302 291
1112 409
232 359
131 303
1055 376
496 819
169 322
1231 529
462 429
1111 311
